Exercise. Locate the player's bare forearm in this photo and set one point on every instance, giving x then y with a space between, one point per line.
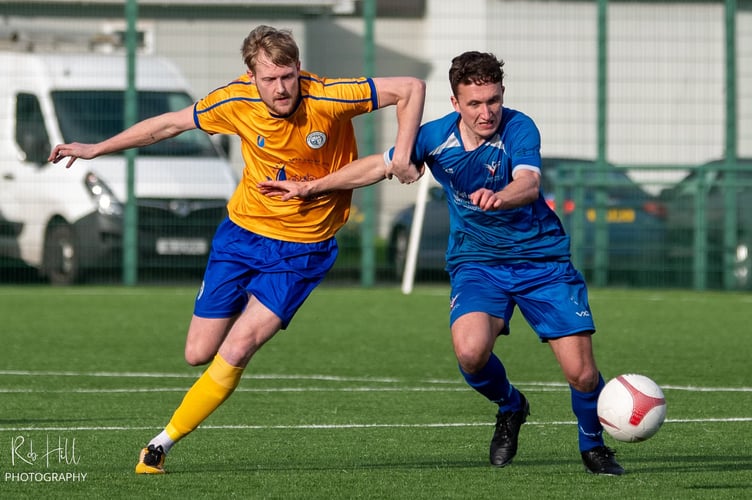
359 173
141 134
408 94
523 190
145 133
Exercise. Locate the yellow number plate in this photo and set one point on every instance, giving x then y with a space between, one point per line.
614 215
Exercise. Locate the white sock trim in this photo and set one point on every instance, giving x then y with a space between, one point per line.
163 440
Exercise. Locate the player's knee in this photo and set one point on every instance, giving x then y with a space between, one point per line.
197 357
471 360
585 380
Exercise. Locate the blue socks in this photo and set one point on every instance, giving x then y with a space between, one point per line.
585 408
492 382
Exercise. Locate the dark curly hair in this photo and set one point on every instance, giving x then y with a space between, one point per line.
475 67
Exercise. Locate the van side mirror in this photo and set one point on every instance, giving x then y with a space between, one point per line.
36 148
31 132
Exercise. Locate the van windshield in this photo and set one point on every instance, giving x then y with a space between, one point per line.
92 116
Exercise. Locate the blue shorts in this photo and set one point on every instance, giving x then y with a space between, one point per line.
280 274
552 296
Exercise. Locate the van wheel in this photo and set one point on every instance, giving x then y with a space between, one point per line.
61 265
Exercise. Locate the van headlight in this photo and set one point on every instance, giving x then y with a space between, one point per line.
107 203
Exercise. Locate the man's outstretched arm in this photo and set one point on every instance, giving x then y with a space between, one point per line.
143 133
362 172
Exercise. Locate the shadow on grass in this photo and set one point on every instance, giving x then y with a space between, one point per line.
692 463
53 423
653 465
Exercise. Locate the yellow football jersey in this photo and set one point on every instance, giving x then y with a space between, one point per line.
316 139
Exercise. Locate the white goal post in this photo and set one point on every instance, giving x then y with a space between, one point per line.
416 229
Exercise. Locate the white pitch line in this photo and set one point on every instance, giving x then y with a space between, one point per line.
693 388
143 390
239 389
323 378
110 428
331 378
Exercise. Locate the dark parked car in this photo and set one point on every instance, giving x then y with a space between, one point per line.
635 222
709 185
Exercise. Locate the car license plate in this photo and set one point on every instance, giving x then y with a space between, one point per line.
182 246
614 215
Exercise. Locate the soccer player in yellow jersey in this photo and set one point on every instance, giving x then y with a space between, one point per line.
269 254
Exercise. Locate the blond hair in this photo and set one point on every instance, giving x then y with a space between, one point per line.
278 45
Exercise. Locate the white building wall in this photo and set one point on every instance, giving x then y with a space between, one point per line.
549 49
449 29
666 70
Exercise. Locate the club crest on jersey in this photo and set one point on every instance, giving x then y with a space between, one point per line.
316 140
492 167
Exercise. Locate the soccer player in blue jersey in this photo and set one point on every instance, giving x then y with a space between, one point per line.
506 249
268 255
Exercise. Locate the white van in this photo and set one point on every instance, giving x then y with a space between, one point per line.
67 223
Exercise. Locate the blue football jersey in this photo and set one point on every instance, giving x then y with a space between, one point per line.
531 232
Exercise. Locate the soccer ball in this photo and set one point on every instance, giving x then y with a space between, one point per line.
631 407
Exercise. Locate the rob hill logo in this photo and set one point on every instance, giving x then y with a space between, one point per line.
41 460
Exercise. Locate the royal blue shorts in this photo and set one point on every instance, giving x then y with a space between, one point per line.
552 296
280 274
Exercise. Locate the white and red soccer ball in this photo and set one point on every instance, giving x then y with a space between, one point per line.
631 407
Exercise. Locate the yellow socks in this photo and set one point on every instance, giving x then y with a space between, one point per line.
213 387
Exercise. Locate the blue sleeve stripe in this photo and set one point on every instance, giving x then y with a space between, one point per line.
374 94
332 99
197 112
195 117
354 81
225 101
368 81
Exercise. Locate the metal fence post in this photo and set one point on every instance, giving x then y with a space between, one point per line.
130 222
